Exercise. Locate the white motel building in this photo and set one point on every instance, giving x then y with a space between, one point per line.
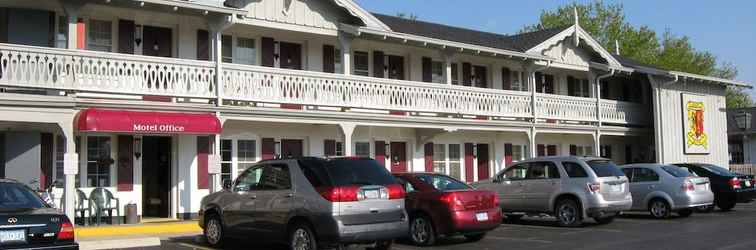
158 101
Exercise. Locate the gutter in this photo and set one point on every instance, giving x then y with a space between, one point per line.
533 90
598 93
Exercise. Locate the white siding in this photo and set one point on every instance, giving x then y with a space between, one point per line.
567 53
317 14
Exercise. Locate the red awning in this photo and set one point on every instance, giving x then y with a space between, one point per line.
121 121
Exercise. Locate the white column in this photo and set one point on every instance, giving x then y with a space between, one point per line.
532 85
348 130
215 178
217 56
597 143
70 168
345 44
448 58
532 142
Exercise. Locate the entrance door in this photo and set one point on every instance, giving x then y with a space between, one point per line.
398 157
157 41
290 55
483 166
156 176
291 148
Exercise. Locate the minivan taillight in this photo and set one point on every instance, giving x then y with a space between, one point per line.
66 230
453 201
735 183
395 191
594 187
339 194
688 186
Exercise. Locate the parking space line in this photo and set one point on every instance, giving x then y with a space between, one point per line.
192 246
532 239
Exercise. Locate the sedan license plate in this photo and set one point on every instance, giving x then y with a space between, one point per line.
372 194
12 236
616 188
481 216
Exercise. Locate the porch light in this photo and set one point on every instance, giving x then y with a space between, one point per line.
475 150
743 121
137 147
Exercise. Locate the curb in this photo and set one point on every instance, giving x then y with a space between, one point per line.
142 229
118 244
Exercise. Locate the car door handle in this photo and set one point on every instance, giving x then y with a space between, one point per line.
289 195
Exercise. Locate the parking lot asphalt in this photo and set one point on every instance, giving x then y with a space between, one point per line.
717 230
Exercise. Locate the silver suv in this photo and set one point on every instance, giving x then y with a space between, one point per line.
570 188
308 203
663 189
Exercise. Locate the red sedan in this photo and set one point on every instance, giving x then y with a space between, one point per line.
439 205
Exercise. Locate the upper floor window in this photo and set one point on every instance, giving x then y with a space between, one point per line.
61 36
100 35
544 83
437 72
246 53
361 63
513 80
455 74
227 54
578 87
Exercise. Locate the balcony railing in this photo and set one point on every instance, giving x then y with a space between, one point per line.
88 71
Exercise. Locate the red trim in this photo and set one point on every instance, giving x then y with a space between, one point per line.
81 34
104 120
401 113
291 106
46 160
541 150
469 160
203 150
508 152
429 157
380 152
268 149
156 98
483 163
482 118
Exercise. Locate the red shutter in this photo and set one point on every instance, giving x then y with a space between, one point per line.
380 152
268 49
203 150
551 150
46 160
81 34
427 69
329 60
378 63
541 150
483 168
466 74
508 152
429 157
329 147
573 150
268 149
469 160
506 82
125 163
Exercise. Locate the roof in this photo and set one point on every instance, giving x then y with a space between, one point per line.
520 42
732 127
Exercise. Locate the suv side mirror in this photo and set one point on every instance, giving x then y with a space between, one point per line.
227 184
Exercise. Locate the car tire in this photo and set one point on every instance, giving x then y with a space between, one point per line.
382 245
422 232
685 212
568 213
213 231
726 205
705 209
475 237
604 220
301 237
659 209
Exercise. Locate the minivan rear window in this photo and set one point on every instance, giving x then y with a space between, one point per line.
604 168
676 171
344 172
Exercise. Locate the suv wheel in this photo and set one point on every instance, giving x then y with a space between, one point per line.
302 238
568 213
214 231
422 232
685 212
604 220
659 209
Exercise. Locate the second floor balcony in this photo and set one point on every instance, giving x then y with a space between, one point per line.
79 71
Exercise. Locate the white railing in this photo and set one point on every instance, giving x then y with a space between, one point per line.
60 69
263 84
623 112
111 73
562 107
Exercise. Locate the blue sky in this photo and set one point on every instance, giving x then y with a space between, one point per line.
727 29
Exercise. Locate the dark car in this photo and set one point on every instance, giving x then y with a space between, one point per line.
729 188
309 203
27 222
439 205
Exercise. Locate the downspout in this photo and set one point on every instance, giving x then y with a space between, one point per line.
597 148
658 117
533 107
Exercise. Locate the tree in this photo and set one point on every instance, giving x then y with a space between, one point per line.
607 24
410 16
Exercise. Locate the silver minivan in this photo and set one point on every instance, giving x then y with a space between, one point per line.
570 188
663 189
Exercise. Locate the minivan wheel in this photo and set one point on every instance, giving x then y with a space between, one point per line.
302 238
213 231
422 232
685 212
604 220
568 213
659 209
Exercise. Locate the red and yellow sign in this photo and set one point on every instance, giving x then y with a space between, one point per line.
696 135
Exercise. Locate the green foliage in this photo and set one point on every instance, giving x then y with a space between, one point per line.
607 24
410 16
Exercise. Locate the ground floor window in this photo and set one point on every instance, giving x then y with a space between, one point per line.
519 152
581 150
362 149
246 154
99 161
447 159
606 151
226 161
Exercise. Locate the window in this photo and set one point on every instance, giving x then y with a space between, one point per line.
604 168
517 81
15 196
337 66
437 72
245 51
606 151
443 183
644 175
519 152
361 63
439 158
339 148
455 161
579 150
100 35
517 172
61 38
362 149
227 54
98 161
574 170
454 74
226 151
246 153
542 170
676 171
578 87
60 152
249 179
275 177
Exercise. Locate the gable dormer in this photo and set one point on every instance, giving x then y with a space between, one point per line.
574 48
